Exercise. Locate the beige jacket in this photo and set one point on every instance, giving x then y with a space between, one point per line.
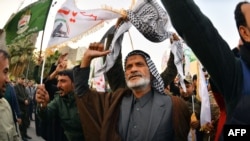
7 125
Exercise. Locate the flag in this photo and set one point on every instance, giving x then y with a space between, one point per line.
72 23
189 53
164 60
177 50
202 91
149 18
29 20
97 82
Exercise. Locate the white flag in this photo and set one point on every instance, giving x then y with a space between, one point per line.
71 23
205 115
177 50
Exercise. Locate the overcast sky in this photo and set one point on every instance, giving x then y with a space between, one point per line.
220 13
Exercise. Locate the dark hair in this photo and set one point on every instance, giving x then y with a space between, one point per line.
5 54
67 72
239 16
236 52
194 77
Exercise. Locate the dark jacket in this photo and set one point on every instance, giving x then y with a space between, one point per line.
50 130
11 97
215 55
21 97
65 108
99 112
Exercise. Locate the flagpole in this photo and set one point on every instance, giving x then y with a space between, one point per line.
198 81
20 6
45 23
42 40
43 66
131 42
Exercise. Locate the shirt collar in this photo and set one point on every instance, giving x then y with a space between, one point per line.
144 99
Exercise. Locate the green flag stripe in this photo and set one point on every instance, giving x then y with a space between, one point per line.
36 15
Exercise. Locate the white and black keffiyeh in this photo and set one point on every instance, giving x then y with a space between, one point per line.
157 82
149 18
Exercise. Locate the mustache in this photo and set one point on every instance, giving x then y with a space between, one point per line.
60 89
134 75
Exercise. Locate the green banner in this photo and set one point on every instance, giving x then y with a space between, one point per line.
189 53
29 20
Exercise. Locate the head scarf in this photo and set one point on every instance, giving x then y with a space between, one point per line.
157 82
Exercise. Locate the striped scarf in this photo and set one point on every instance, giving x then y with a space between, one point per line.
157 82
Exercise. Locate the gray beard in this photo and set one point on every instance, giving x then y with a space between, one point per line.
142 83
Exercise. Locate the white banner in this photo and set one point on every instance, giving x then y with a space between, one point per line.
72 23
205 115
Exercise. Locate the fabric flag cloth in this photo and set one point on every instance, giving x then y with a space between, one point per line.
177 50
164 60
30 19
189 53
98 82
205 115
149 18
189 57
72 23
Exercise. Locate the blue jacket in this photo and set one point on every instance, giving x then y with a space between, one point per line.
10 96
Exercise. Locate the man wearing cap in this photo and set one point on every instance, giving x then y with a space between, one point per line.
194 106
140 111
